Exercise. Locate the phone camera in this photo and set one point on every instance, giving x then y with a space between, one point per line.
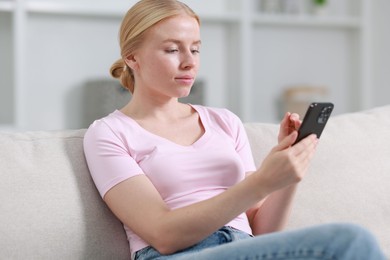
324 115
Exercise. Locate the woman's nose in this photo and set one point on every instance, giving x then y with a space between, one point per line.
189 60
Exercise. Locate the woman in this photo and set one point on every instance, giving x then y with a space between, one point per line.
181 177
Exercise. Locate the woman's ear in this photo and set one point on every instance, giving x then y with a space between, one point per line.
131 62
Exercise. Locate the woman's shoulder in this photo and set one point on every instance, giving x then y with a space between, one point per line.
111 125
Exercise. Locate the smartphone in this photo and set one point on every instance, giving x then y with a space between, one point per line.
315 119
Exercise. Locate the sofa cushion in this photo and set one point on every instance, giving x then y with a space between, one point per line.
49 206
349 179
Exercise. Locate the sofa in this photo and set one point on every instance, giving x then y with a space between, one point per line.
50 208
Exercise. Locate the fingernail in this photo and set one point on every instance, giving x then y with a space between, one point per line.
294 117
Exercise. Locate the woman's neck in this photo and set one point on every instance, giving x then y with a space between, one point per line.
169 109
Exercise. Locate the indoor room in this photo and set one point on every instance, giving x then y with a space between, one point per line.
91 169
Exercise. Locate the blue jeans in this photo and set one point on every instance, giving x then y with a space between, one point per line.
330 241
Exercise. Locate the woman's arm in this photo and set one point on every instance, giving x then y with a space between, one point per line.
272 213
138 204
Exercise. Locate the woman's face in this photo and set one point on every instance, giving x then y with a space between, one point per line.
167 62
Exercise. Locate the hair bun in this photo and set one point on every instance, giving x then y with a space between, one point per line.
121 71
117 68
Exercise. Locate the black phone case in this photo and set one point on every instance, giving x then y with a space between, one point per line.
315 119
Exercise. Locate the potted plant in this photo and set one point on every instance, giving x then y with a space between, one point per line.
320 7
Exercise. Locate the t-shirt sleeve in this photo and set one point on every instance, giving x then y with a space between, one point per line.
108 159
243 147
240 136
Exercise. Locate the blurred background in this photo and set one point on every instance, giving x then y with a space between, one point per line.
259 58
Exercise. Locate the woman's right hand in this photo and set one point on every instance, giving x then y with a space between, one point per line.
286 164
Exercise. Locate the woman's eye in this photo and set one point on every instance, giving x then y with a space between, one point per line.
172 50
194 51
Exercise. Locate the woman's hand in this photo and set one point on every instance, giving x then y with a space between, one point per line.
289 124
286 164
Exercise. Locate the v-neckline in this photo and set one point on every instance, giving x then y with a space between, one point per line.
196 143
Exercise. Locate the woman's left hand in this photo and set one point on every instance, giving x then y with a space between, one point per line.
289 124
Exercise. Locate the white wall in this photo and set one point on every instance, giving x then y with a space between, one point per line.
6 90
381 52
288 57
64 52
67 52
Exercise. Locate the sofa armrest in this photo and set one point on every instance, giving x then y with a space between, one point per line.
50 208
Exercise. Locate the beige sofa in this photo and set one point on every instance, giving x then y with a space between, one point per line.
50 208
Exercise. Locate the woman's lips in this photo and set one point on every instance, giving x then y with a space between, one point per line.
185 80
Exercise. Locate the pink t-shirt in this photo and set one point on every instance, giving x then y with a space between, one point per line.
118 148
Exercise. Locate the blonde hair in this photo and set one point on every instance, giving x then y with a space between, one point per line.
143 15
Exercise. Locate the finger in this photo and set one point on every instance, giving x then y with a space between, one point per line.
284 127
306 160
286 142
284 124
294 121
303 160
308 152
294 116
307 143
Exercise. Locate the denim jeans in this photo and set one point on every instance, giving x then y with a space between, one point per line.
329 241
